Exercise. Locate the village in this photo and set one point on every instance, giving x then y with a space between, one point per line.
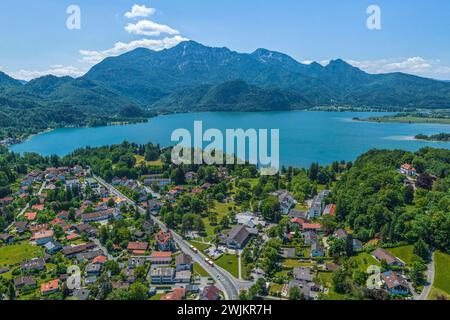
115 235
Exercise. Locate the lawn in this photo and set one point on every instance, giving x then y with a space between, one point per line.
364 260
327 279
157 296
292 263
11 255
405 253
199 245
200 271
140 159
229 262
442 275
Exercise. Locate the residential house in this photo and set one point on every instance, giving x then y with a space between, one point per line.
408 169
42 237
317 250
384 255
210 293
164 241
93 269
161 257
288 253
395 283
303 274
52 247
176 294
112 213
21 226
161 275
137 248
315 227
23 281
309 237
33 264
357 245
340 234
6 238
183 262
71 251
308 290
286 202
50 287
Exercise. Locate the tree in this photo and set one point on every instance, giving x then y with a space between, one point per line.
417 273
422 250
294 293
178 176
425 181
137 291
11 291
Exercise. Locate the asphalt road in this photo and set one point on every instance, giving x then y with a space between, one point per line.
225 281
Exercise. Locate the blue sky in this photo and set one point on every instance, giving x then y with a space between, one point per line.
414 35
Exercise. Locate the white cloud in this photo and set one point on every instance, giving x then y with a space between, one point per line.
139 11
56 70
431 68
119 48
149 28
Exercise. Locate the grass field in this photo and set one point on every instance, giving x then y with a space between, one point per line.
364 260
292 263
327 279
11 255
200 271
199 245
157 296
405 253
140 159
230 263
442 275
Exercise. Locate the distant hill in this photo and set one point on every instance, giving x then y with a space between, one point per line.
146 76
230 96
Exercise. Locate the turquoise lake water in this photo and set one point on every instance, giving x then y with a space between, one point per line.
305 137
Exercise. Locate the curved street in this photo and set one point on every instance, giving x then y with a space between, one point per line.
225 281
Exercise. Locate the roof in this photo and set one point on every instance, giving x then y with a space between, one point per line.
161 254
297 220
210 293
163 237
43 234
162 272
382 255
329 209
311 226
30 215
393 279
183 259
238 234
50 286
340 233
24 281
140 246
99 259
176 294
302 273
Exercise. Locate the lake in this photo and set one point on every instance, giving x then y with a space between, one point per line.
305 136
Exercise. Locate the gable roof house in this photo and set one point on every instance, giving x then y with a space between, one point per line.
238 237
303 274
210 293
137 248
383 255
395 283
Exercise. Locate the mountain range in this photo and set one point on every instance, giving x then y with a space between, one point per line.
194 77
